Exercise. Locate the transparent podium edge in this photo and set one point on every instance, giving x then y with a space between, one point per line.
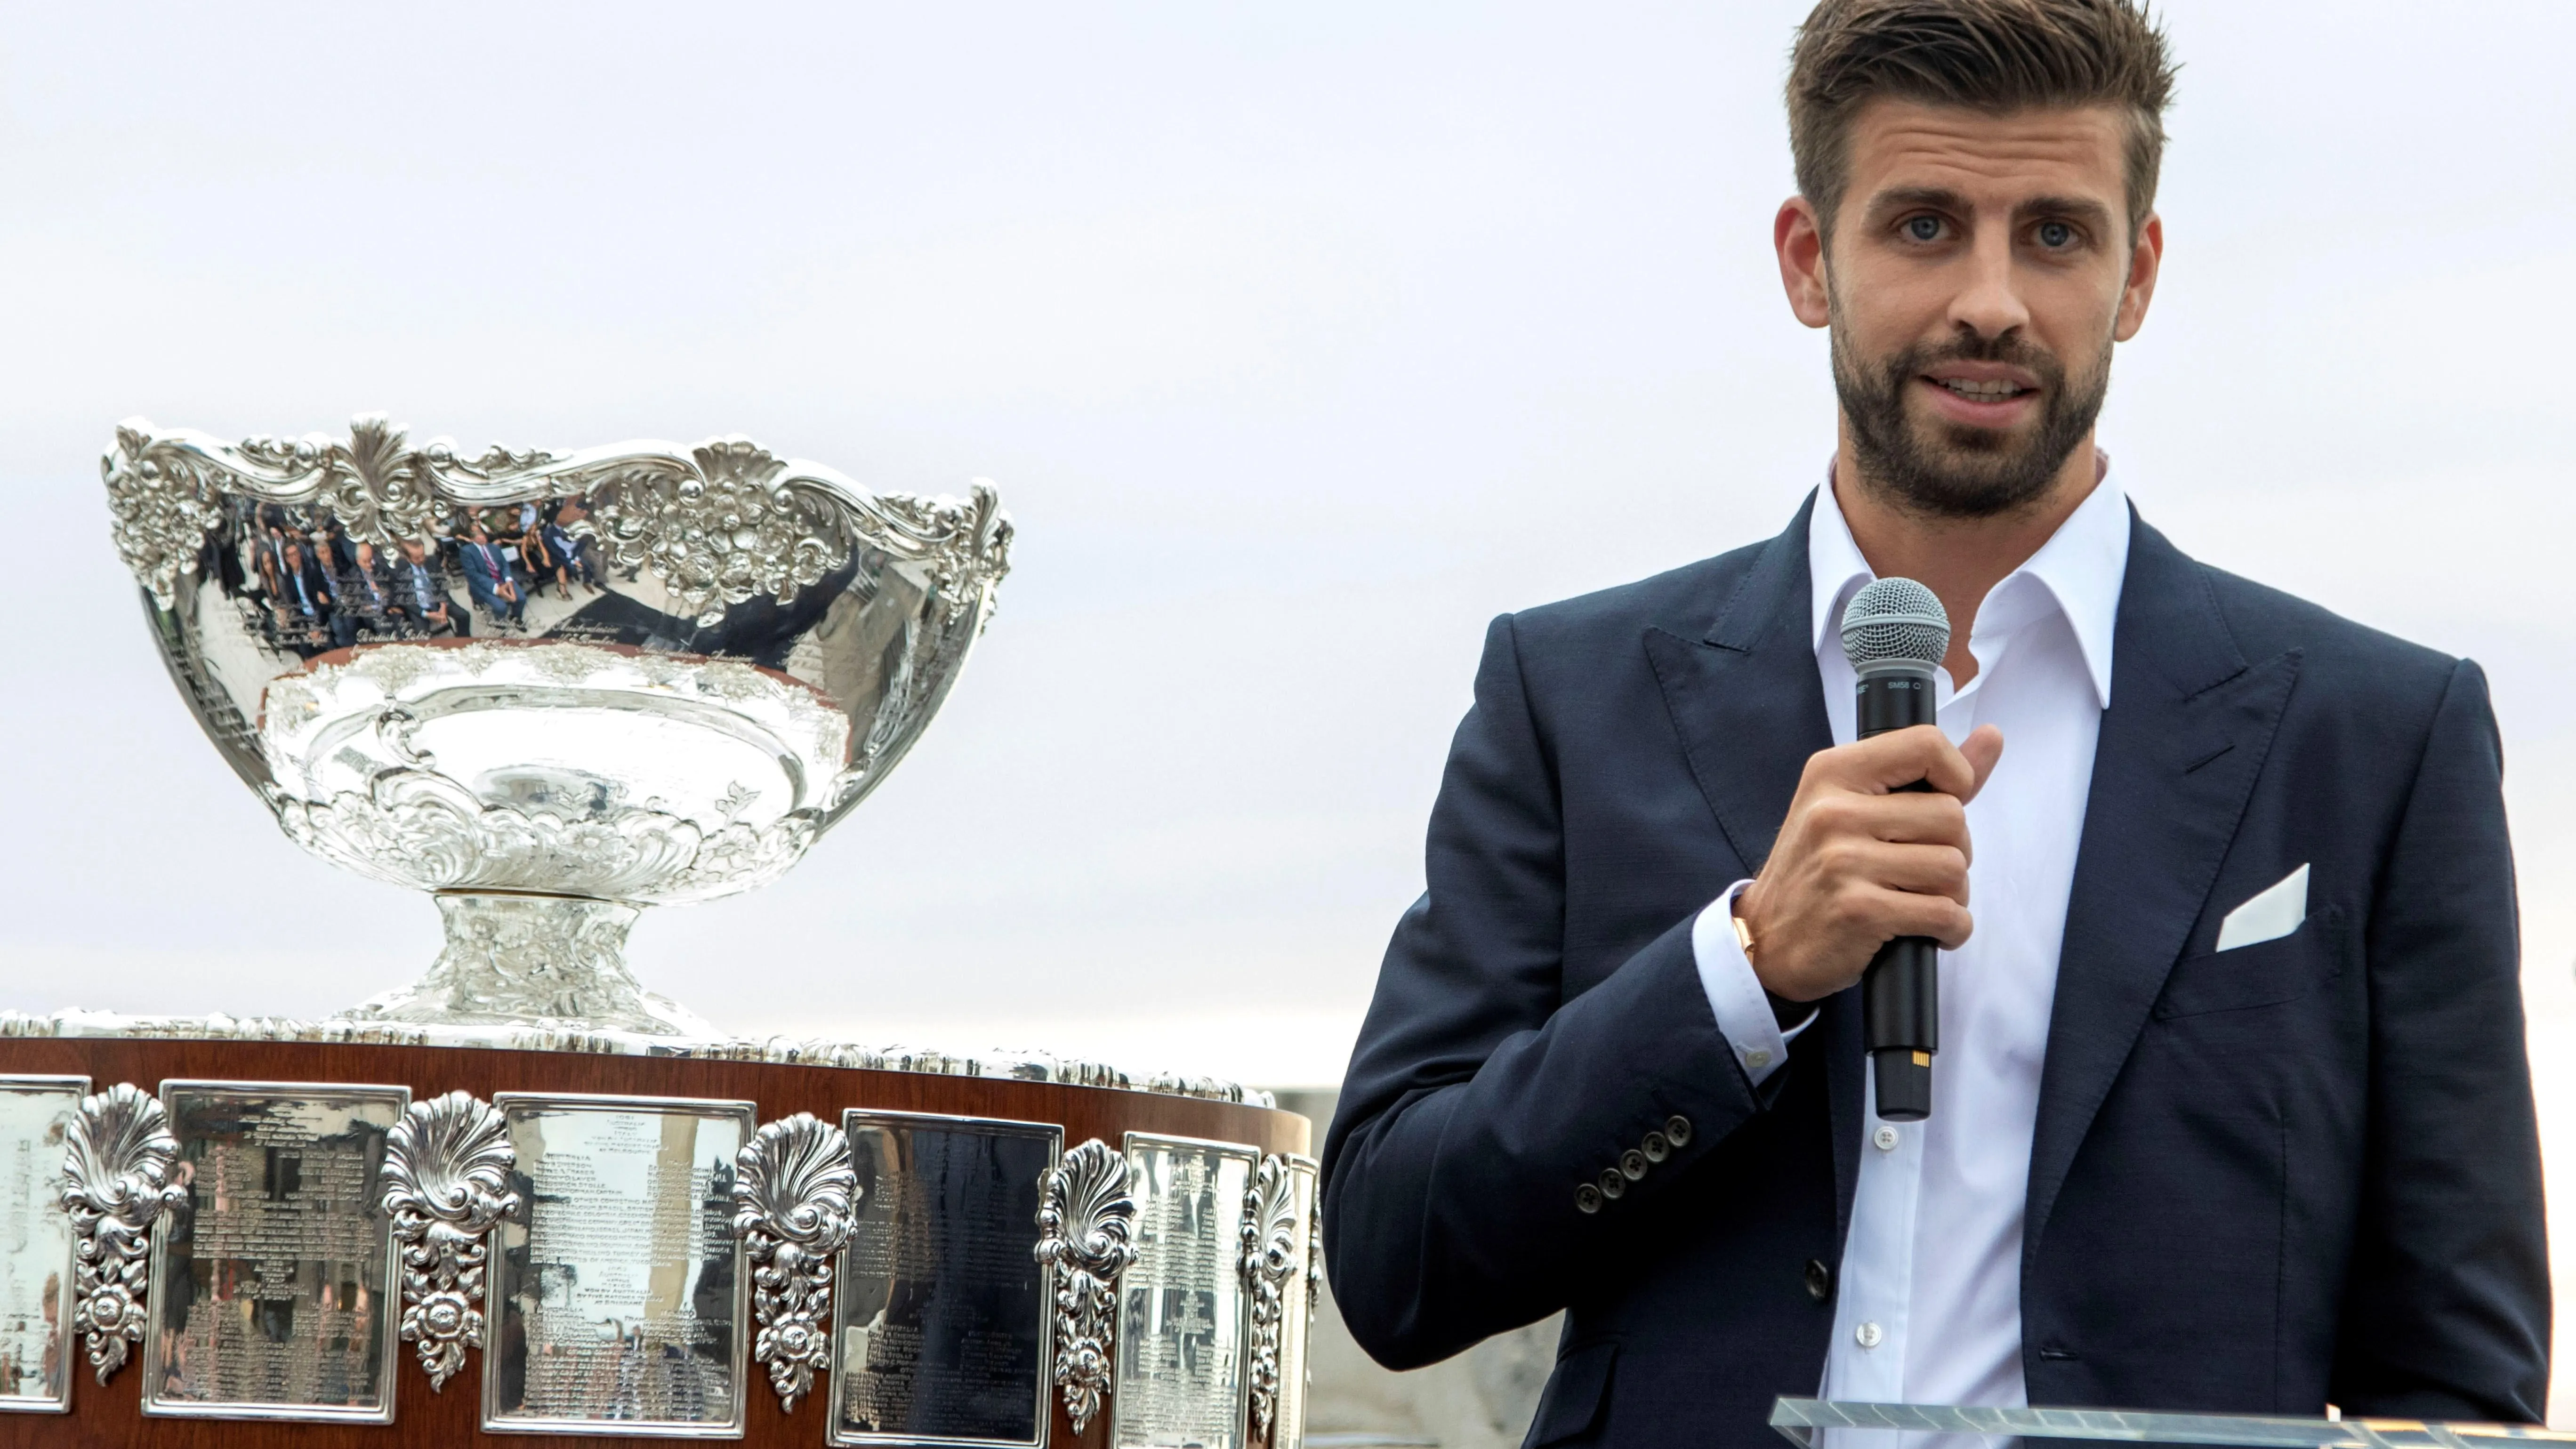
1799 1419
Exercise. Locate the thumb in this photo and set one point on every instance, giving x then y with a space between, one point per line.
1983 746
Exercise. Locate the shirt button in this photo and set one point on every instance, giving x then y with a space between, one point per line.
1632 1164
1884 1139
1757 1060
1657 1147
1868 1335
1677 1130
1820 1280
1587 1198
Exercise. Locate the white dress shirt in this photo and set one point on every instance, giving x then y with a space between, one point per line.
1928 1302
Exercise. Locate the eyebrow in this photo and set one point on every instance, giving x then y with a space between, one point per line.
1905 198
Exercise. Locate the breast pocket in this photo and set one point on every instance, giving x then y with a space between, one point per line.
2265 974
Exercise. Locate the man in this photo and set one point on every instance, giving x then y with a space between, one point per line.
420 601
303 598
2231 1111
363 601
487 576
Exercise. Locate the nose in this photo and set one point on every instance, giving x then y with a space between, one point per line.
1988 304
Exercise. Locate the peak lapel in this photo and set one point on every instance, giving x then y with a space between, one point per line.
2181 745
1749 710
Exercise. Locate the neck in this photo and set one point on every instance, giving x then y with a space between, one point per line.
1959 559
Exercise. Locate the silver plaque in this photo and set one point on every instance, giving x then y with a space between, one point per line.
940 1327
273 1279
618 1297
1182 1319
35 1242
1296 1305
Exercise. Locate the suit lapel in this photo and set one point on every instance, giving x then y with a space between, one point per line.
2181 745
1749 710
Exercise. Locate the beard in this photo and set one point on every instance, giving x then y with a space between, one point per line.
1949 470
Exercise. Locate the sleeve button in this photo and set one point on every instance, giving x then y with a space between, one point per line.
1677 1130
1632 1164
1657 1147
1612 1184
1587 1198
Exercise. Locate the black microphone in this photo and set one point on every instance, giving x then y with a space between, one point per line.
1895 633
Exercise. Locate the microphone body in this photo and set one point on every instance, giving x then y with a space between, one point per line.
1895 633
1901 991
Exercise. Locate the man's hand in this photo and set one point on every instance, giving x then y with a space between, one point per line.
1860 862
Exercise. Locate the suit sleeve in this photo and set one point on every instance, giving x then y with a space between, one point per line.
2447 1307
1480 1101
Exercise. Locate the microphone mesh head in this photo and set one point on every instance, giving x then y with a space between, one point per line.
1895 619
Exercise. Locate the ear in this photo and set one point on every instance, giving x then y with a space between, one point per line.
1800 240
2140 288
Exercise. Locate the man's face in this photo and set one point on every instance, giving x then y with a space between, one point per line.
1979 271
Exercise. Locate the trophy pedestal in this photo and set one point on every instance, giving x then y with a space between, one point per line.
275 1298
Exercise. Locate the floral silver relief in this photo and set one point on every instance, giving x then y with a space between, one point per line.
795 1191
116 1185
1087 1237
446 1181
1271 1225
631 675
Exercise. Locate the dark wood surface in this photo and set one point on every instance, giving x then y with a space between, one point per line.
111 1416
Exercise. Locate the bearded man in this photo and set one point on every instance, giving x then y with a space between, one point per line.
2231 1111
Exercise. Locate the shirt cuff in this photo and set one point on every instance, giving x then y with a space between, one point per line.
1735 994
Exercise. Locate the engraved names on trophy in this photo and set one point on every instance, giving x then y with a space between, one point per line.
1182 1309
940 1330
618 1298
273 1282
35 1242
1288 1430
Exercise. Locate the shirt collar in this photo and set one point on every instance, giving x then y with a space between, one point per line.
2081 568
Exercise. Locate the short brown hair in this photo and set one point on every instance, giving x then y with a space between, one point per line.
1997 56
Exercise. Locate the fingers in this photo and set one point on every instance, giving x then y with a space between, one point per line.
1883 914
1981 749
1901 757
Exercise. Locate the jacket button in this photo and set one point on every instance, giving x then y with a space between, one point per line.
1820 1280
1632 1164
1657 1147
1587 1199
1612 1184
1677 1130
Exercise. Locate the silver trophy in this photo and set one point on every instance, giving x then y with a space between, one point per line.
549 688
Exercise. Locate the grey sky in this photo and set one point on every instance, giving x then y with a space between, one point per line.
1300 340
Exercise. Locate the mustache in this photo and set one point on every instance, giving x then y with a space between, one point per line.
2010 349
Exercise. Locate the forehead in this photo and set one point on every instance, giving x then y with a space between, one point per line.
2057 151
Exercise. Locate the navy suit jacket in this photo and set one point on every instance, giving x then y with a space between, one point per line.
2299 1172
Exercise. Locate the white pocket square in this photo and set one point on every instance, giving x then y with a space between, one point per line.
2269 916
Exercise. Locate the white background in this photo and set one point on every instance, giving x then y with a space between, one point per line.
1301 341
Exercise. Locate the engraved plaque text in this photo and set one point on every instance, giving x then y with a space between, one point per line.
35 1242
1289 1430
618 1300
273 1283
1181 1307
940 1325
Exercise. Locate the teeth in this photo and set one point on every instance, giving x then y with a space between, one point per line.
1965 388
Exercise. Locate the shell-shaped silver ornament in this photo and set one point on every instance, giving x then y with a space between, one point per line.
795 1192
445 1182
116 1185
1087 1236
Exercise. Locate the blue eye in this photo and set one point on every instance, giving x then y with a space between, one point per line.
2055 235
1923 228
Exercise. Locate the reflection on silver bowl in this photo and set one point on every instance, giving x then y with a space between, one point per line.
549 687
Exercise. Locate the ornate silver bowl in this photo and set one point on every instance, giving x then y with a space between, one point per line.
550 688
